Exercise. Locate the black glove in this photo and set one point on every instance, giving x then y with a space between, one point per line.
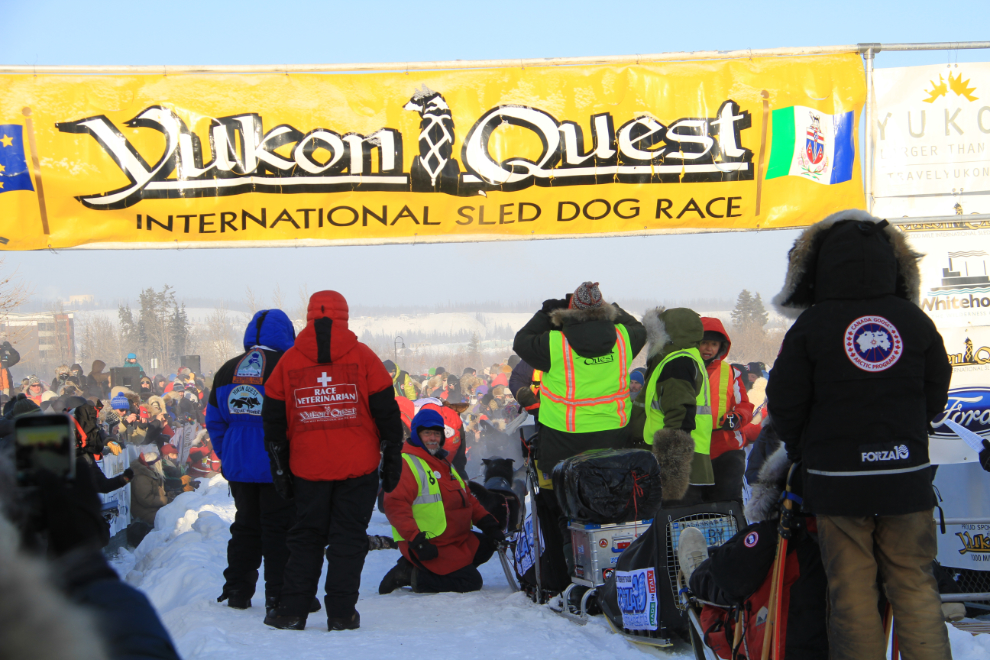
552 304
985 456
731 422
278 455
425 551
492 530
391 470
128 474
8 409
283 486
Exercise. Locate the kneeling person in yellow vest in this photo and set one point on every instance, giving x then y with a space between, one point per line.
432 512
675 400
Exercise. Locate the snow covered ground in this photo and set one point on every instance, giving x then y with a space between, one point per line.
180 565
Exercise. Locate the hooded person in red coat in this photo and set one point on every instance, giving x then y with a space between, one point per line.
731 413
329 415
440 552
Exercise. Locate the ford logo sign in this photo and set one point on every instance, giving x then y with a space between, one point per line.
968 407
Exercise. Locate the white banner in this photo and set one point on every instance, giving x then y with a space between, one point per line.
955 278
931 137
955 293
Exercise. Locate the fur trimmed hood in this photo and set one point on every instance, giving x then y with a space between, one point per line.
768 487
669 330
844 257
590 332
606 312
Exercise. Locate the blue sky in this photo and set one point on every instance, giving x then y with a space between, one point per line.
252 32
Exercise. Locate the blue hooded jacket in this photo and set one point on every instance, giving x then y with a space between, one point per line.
426 419
233 415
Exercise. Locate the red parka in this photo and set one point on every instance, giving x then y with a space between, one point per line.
457 545
732 401
324 383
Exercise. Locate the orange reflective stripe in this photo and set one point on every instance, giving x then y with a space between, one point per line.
623 377
571 413
720 400
583 402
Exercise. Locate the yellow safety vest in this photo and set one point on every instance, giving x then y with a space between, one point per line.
427 508
579 394
702 433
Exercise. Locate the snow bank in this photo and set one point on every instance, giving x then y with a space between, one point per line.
180 567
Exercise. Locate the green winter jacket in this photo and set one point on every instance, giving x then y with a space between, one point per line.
680 381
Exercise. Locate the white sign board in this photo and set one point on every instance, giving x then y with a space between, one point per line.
931 137
113 466
955 293
965 491
525 554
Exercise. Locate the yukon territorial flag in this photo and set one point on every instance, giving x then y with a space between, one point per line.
808 143
14 173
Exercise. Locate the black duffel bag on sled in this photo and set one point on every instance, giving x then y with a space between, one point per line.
607 486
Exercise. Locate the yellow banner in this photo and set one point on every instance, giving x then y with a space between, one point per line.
499 154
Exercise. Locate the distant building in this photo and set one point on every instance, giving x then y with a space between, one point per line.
81 300
44 341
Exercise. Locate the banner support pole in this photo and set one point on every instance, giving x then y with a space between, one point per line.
36 164
868 112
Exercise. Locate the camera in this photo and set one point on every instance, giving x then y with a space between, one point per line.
44 442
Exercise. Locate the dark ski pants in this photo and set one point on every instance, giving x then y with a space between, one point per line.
903 548
558 556
460 581
260 525
331 516
728 470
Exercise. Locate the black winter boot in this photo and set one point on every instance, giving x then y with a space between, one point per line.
271 605
399 576
285 621
235 599
352 622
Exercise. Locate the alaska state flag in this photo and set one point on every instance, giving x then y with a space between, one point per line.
14 173
812 144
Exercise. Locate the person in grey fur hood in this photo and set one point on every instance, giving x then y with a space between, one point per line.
862 351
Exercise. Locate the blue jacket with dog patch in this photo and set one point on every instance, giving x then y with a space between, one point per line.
233 415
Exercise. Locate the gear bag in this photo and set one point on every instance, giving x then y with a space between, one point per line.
608 486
